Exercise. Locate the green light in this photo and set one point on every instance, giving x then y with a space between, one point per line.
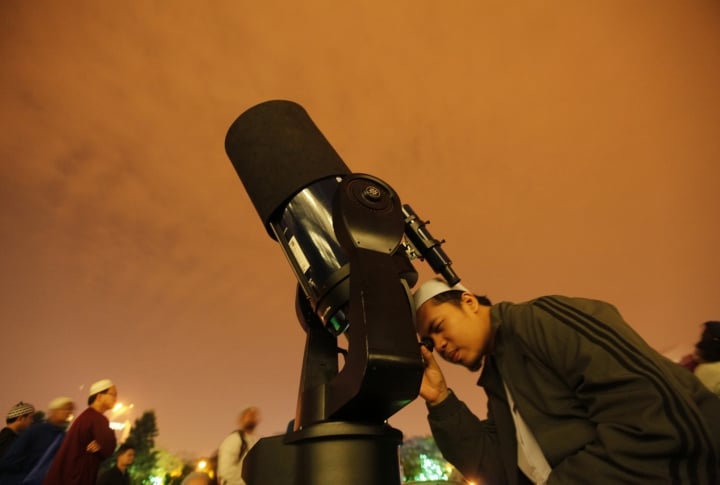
337 323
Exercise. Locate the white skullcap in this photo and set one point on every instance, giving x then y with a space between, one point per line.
432 288
100 386
59 402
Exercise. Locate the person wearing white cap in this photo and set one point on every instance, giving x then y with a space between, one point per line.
574 395
34 450
88 442
18 419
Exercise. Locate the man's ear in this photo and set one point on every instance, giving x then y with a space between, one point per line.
470 300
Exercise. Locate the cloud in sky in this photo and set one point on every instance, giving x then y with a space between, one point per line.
568 149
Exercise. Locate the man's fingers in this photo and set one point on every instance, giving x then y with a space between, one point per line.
427 356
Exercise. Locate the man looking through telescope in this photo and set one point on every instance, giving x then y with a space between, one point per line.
575 395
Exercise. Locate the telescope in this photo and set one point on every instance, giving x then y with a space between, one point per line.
351 244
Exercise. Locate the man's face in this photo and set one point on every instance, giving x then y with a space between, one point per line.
249 420
24 422
126 458
62 414
460 333
109 397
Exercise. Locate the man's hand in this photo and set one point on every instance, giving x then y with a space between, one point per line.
93 447
433 388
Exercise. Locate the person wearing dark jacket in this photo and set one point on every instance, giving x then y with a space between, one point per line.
34 449
118 474
574 395
18 419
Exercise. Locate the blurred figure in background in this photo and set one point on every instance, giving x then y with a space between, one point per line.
30 455
234 448
18 419
118 474
707 357
89 440
196 478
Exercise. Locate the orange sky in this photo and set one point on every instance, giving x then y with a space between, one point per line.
569 147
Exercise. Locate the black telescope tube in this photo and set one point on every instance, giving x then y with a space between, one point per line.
277 151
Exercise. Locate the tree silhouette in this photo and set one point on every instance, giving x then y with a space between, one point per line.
421 460
142 436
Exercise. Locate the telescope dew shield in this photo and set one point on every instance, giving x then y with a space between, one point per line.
291 172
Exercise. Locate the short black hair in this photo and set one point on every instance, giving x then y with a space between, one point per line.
455 297
709 345
91 399
124 447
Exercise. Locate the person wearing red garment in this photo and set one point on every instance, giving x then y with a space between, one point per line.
88 442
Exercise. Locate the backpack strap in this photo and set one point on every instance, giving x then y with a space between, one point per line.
243 445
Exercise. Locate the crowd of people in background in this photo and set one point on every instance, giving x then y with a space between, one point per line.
59 450
28 458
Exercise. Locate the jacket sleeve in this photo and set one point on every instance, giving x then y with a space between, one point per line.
105 436
648 428
467 442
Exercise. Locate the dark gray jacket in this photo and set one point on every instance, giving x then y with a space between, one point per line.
603 405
